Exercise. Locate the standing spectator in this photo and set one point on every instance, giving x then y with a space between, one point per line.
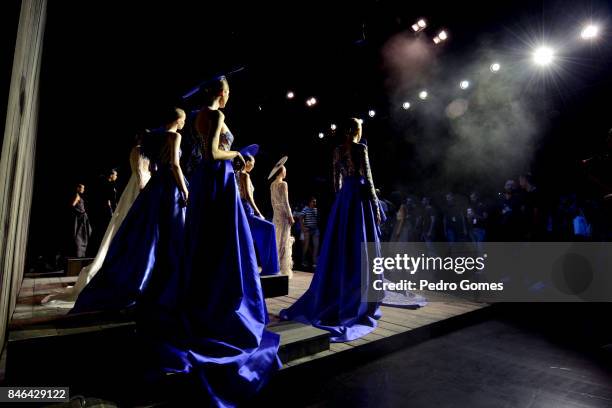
428 225
406 223
477 216
309 221
455 229
110 190
534 227
102 206
510 220
297 233
80 227
387 210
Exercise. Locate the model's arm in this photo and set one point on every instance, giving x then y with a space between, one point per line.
285 193
175 163
337 174
217 120
249 194
76 200
370 181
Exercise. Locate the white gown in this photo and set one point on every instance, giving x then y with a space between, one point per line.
282 212
139 178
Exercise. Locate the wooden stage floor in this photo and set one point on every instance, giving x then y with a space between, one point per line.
394 323
29 317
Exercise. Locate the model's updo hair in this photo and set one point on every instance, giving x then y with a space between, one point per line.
214 87
349 128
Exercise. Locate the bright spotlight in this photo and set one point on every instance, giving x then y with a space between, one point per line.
371 113
311 102
442 35
423 95
419 25
333 126
321 135
495 67
543 55
290 95
589 32
406 105
464 84
436 40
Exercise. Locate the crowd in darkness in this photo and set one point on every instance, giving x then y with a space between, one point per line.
521 212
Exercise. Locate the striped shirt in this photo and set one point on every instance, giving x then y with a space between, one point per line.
310 218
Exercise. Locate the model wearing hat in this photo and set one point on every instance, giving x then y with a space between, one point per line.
262 231
283 216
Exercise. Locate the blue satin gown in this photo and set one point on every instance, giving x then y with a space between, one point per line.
263 234
335 299
148 247
225 343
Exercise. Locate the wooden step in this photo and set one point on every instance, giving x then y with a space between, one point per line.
74 265
275 285
298 340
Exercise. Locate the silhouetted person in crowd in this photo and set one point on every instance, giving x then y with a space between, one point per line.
405 229
309 221
102 206
80 229
388 209
455 229
477 217
532 211
510 213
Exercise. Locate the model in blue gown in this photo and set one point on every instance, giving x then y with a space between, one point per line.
335 300
149 245
224 343
263 231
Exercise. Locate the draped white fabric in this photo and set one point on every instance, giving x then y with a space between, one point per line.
18 150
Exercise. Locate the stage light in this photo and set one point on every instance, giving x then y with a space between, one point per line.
290 95
495 67
333 126
371 113
311 102
442 35
543 55
589 32
406 105
436 40
464 84
419 25
423 95
321 135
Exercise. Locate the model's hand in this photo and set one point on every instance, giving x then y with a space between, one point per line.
240 158
291 220
185 194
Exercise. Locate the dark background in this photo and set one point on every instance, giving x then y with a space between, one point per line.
109 68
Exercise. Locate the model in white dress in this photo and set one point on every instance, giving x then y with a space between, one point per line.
138 180
283 220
